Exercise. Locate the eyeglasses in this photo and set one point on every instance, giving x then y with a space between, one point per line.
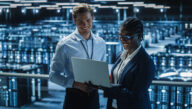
127 37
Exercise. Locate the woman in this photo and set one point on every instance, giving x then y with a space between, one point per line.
133 71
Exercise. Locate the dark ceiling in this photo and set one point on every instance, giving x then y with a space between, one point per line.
180 10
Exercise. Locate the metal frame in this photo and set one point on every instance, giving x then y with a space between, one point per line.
46 76
24 75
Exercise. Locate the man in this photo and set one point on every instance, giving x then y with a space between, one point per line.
84 44
133 71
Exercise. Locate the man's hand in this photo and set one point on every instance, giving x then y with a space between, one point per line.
83 87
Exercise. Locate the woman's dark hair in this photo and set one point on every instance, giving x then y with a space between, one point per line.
134 26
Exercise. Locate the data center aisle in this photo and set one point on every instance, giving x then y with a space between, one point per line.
160 46
56 95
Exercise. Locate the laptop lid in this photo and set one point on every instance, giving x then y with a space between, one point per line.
85 70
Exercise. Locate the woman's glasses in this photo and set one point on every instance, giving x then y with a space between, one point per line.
127 37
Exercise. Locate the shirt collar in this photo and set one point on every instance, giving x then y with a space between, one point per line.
79 37
124 54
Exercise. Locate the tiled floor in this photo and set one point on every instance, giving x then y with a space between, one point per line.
56 93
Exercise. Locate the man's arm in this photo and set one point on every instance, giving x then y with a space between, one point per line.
57 74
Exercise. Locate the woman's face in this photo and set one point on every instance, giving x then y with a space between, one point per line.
129 40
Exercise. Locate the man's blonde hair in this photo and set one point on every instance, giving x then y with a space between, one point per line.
82 8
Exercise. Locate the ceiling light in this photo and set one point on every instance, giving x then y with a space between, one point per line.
167 7
94 5
72 4
27 4
67 7
150 5
48 6
159 7
34 1
138 5
125 3
108 0
4 7
13 5
120 7
107 6
53 8
33 7
7 0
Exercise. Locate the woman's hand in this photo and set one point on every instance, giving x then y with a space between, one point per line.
115 88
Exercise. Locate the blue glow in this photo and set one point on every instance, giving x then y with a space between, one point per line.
94 10
137 10
161 10
58 11
117 10
23 10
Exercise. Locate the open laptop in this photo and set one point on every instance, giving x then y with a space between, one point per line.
85 70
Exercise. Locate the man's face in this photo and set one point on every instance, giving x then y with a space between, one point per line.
131 43
84 22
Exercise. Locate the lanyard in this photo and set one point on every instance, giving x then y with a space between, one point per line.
86 51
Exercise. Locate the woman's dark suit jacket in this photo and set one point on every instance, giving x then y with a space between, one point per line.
132 93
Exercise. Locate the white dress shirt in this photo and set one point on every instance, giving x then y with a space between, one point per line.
74 45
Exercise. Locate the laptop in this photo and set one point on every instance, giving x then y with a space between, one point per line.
85 70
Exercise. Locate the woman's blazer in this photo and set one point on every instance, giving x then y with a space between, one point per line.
132 91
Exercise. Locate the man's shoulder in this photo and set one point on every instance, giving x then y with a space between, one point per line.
99 39
66 39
